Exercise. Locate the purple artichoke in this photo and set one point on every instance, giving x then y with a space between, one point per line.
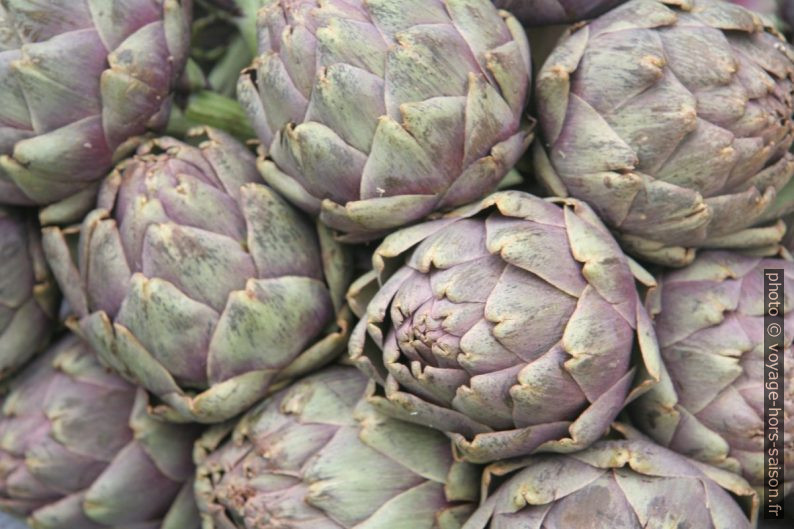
615 485
709 319
673 120
28 295
545 12
374 114
79 451
198 282
510 324
318 456
79 78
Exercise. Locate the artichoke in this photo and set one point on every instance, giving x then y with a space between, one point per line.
79 451
709 318
622 484
673 120
545 12
510 324
196 281
78 78
317 456
374 114
28 295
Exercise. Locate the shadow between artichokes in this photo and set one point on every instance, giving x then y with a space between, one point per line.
317 455
78 79
513 324
616 483
198 282
673 120
374 114
546 12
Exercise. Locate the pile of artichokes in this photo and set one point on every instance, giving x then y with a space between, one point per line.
393 264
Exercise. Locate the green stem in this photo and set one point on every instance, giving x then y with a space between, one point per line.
215 110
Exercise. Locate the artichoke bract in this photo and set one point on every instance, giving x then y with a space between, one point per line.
317 456
512 324
709 318
764 7
78 79
778 11
196 281
544 12
374 114
28 295
673 120
615 484
79 451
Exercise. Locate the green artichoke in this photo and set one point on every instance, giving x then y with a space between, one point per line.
673 120
317 456
78 78
709 318
545 12
511 324
196 281
374 114
615 485
28 295
79 451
